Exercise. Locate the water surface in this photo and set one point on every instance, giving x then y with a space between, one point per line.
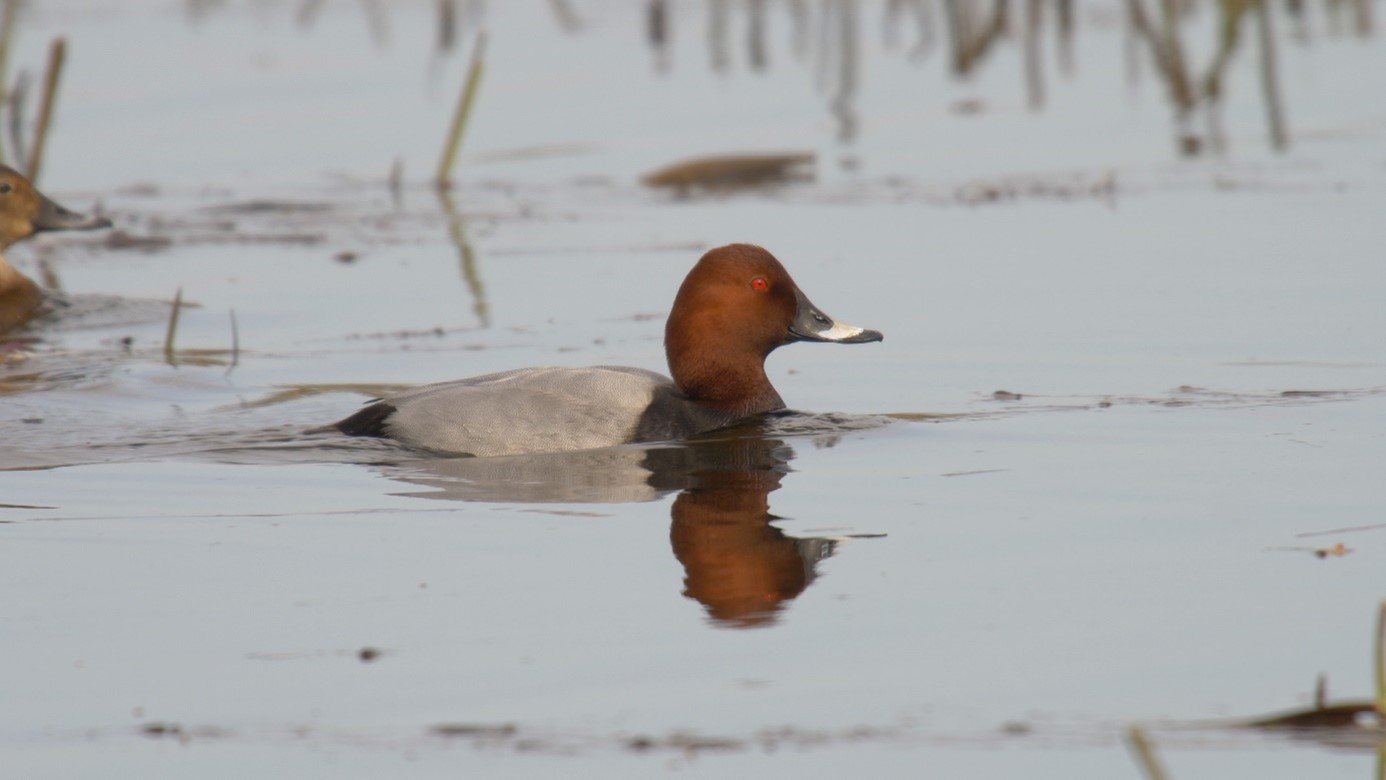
916 571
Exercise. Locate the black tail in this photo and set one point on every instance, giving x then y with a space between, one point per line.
370 421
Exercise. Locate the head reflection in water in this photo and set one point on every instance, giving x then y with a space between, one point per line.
743 570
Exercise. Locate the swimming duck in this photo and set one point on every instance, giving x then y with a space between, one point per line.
23 212
735 307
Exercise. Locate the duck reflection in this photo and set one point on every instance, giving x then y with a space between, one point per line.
740 567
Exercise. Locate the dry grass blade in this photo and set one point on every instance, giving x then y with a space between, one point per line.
296 392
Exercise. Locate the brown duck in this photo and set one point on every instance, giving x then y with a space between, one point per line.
25 211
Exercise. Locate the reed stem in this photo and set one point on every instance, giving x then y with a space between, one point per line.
464 110
1144 753
57 52
1381 660
235 343
172 333
7 17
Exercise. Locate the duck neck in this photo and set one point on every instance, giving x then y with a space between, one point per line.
738 386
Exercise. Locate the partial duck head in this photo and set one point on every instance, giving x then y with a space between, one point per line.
25 211
735 307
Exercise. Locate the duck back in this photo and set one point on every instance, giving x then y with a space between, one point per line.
536 410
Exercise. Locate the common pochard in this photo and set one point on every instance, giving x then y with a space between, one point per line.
735 307
23 212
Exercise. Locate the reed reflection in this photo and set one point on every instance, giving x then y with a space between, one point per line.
975 28
1162 37
743 570
466 256
829 39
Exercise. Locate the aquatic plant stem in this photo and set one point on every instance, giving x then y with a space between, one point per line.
1144 753
57 53
464 110
7 17
172 333
235 343
1381 660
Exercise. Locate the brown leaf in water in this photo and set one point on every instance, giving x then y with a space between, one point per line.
731 171
1336 716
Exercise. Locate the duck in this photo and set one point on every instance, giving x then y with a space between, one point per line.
25 211
736 306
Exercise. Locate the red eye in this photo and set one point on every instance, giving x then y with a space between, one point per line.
759 284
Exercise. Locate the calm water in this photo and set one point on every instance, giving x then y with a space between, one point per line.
912 574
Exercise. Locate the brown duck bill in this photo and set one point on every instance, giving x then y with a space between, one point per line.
811 324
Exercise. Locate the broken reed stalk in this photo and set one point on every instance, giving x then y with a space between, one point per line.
57 52
172 333
7 17
1144 753
464 109
235 343
1381 660
397 182
14 109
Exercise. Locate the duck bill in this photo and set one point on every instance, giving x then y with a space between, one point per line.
811 324
51 216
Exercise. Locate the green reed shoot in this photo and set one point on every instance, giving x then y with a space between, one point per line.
172 333
464 110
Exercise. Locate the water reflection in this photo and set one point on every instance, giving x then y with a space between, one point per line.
827 37
466 256
1163 40
740 567
975 28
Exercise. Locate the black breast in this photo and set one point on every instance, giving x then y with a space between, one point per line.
671 415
